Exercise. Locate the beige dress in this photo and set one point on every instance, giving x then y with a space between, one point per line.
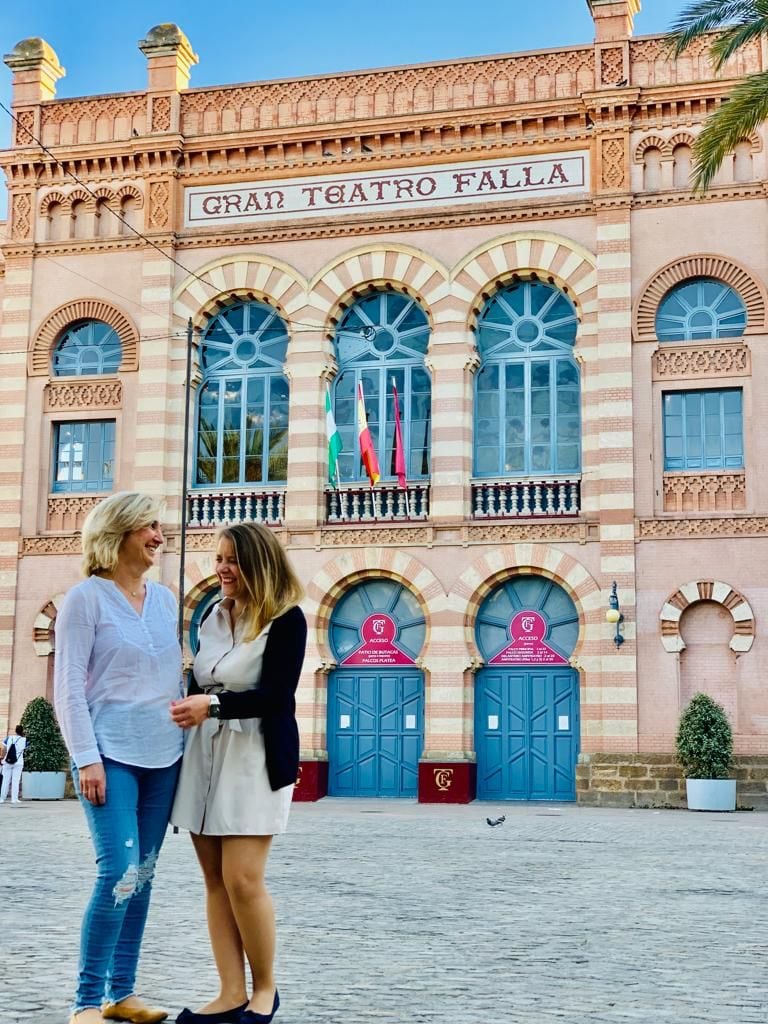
223 787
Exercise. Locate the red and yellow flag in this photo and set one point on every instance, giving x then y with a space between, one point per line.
367 451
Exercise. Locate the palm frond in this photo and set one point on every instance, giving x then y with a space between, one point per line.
705 16
746 108
733 39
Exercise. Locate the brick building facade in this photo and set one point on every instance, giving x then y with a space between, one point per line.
577 344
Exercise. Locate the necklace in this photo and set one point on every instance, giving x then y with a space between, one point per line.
133 593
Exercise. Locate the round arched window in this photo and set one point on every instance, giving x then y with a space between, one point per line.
88 347
242 427
527 389
381 340
700 309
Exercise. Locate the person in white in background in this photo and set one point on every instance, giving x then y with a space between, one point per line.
12 772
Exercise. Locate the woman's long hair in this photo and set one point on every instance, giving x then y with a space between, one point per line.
271 586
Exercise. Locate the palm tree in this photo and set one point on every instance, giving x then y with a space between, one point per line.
736 22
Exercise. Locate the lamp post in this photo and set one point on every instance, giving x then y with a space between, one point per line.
614 615
184 478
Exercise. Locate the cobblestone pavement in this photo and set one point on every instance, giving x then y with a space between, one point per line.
392 912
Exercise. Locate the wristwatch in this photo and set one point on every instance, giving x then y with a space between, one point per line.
214 708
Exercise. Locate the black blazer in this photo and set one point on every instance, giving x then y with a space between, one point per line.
273 700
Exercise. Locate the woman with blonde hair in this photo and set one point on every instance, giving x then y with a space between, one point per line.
117 670
241 761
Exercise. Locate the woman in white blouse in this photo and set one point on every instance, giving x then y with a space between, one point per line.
12 772
241 761
117 670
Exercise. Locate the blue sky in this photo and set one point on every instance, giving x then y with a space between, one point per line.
240 41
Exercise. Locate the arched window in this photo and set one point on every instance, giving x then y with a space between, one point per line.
682 156
527 389
242 427
701 308
382 338
652 169
742 161
88 347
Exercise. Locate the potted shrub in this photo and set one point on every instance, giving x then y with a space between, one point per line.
705 751
46 758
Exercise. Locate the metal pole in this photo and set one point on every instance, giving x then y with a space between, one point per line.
184 476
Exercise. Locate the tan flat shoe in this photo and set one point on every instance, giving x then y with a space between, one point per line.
90 1016
132 1009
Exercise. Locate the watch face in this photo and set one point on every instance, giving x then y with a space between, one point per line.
214 709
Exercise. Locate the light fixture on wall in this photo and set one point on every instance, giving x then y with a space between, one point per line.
614 615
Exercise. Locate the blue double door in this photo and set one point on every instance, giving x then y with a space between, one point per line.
526 733
375 732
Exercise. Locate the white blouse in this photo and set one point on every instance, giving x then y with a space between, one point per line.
224 659
115 674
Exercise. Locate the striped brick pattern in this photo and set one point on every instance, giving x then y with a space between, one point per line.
613 723
159 395
707 590
14 342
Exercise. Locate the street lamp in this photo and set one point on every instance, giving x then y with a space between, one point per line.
614 615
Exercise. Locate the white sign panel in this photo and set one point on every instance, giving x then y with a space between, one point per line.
344 721
410 721
562 722
383 191
493 721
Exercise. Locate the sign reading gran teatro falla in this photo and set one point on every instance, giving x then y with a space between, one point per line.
384 191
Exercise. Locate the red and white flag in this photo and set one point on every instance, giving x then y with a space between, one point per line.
367 451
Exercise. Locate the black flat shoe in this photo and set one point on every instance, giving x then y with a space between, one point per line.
225 1017
249 1017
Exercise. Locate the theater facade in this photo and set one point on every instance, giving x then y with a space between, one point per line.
579 348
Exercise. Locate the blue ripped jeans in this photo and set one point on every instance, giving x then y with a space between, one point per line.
127 833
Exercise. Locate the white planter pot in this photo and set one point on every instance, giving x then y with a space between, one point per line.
43 785
711 794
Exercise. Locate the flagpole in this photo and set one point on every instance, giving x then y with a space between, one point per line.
399 447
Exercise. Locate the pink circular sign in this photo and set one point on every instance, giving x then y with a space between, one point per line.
527 626
378 629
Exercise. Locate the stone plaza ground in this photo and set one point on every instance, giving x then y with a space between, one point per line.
398 913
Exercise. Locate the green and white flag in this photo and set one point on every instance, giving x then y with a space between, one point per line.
334 441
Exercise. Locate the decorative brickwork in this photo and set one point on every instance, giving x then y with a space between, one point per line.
690 362
707 590
21 221
705 492
82 394
25 123
83 309
371 535
722 268
67 511
613 174
69 545
653 65
108 118
727 526
159 196
161 114
401 91
611 65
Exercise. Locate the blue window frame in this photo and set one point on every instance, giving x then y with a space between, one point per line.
382 338
88 347
242 406
83 456
527 389
703 430
701 309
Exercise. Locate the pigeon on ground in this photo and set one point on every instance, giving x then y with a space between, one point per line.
493 822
